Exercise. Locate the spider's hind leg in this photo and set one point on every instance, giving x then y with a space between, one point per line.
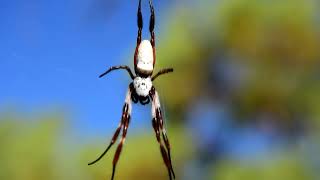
119 148
140 23
125 119
158 126
152 23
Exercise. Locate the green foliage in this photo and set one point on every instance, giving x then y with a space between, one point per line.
140 158
39 149
28 148
286 167
277 41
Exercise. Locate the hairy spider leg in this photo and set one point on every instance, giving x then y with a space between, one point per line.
161 72
140 23
165 157
117 68
165 137
153 42
123 138
124 123
140 26
151 29
158 126
162 128
114 138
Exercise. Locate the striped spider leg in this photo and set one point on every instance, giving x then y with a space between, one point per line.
158 126
124 124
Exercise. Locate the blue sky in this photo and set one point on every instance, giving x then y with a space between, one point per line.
51 53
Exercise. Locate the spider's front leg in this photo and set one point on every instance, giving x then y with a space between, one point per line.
124 123
158 126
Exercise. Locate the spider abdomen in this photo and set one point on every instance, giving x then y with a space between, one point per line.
142 86
145 57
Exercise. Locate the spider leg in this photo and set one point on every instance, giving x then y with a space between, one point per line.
126 111
151 29
134 96
158 126
166 139
140 23
116 68
152 23
140 26
119 148
114 138
161 72
145 101
164 154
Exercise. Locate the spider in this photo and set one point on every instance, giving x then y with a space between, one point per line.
141 90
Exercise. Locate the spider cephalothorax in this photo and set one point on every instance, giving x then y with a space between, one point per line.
141 90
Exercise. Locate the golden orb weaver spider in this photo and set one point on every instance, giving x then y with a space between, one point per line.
141 90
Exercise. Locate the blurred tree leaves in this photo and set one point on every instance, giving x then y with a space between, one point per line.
39 148
277 40
28 148
282 168
140 158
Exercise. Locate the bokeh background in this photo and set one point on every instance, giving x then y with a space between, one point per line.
243 102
